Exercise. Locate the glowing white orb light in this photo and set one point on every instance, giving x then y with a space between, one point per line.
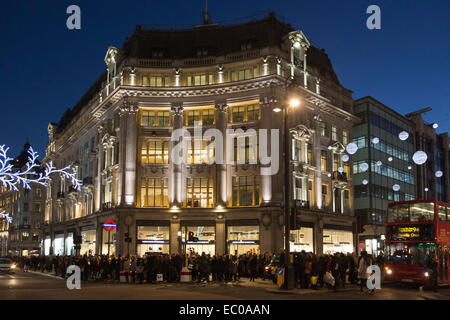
364 182
379 163
420 157
409 167
330 147
329 175
363 167
390 159
375 140
396 187
352 148
426 189
403 135
435 125
345 158
438 174
340 169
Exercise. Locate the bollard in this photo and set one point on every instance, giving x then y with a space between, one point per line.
185 275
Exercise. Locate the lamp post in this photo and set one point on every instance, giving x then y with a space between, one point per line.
294 102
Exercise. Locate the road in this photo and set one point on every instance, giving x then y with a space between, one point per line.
37 286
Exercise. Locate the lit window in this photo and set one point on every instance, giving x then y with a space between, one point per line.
200 192
200 151
245 113
155 151
334 136
323 129
157 118
204 116
154 192
324 161
246 191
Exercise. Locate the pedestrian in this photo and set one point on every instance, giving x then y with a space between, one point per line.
364 263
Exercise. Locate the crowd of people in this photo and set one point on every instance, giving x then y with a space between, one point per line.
311 271
146 269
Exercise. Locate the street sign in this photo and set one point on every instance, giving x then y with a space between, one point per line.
109 225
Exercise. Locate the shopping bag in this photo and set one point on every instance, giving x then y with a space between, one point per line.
314 280
328 278
159 277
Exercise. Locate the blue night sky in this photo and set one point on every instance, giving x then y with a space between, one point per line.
46 68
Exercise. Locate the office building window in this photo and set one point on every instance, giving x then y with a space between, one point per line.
155 151
246 148
324 160
200 151
323 129
154 192
245 113
334 135
200 192
246 191
344 137
155 118
205 117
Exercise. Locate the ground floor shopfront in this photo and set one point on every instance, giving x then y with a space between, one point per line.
321 233
214 232
372 240
237 231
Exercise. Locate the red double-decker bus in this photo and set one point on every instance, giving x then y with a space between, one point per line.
415 231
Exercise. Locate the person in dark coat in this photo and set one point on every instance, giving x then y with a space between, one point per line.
253 267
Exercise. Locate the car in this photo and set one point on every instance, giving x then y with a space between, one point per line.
7 265
270 271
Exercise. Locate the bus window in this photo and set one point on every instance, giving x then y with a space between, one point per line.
410 253
442 213
422 211
398 213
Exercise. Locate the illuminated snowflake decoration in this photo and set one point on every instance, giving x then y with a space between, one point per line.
420 157
435 125
345 158
438 174
396 187
351 148
379 163
375 140
403 135
390 159
363 167
364 182
11 178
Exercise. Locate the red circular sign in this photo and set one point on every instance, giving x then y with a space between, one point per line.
109 225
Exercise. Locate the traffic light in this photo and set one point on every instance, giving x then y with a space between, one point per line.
191 236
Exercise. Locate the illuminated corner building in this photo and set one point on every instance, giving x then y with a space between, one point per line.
225 77
22 237
389 163
436 146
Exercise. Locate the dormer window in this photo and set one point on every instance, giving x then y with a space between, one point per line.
202 53
246 46
157 53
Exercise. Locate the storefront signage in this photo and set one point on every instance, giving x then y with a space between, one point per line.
244 242
201 242
422 232
109 225
153 241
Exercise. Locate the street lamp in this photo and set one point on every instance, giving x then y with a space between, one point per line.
293 103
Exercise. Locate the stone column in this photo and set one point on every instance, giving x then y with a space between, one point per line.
266 124
220 237
318 236
221 166
317 155
174 240
122 134
130 157
100 158
177 169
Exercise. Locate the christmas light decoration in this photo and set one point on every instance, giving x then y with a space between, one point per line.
6 216
11 178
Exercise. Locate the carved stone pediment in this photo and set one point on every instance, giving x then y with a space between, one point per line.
301 132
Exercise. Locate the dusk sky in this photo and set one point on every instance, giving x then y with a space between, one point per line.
47 68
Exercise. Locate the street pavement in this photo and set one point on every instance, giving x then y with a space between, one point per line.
38 286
